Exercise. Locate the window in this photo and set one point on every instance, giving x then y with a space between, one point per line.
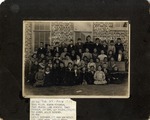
41 34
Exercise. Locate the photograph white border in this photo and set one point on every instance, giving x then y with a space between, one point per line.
72 96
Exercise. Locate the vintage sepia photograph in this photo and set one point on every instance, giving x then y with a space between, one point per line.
76 59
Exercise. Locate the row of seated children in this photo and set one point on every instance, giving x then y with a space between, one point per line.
68 72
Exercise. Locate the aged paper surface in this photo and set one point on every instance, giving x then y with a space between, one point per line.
52 109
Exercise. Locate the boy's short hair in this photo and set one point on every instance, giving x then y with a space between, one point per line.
79 38
70 63
118 38
97 39
75 65
40 68
56 42
67 55
111 41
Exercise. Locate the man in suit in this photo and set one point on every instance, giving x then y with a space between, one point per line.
89 44
79 44
41 49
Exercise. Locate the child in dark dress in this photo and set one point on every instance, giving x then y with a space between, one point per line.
55 74
116 77
90 75
83 76
47 80
62 74
76 75
69 75
33 71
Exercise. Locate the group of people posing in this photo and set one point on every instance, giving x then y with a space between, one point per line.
75 64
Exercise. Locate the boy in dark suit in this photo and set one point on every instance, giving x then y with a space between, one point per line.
69 75
71 46
119 46
97 45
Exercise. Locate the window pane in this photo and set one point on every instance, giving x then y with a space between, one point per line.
36 26
41 26
47 36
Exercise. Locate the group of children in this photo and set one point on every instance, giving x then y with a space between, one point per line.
82 63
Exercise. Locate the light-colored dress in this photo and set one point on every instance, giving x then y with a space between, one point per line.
99 77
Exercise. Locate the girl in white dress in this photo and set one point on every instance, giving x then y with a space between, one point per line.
99 77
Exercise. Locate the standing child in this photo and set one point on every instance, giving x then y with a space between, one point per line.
33 71
119 46
112 47
69 75
105 47
71 46
55 74
99 76
39 77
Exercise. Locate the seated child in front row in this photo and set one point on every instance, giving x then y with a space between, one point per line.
84 76
99 77
39 77
115 76
90 75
